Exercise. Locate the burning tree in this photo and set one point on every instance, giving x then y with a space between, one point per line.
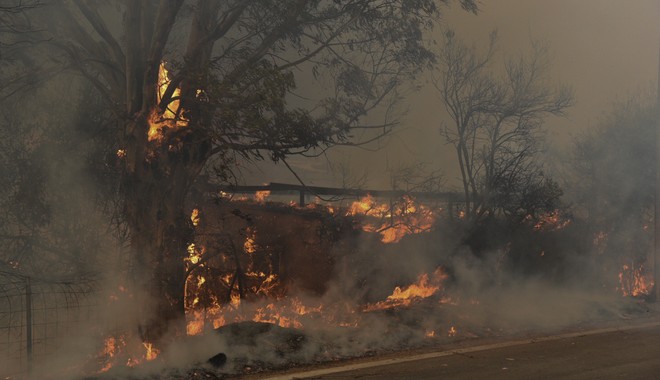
496 127
194 84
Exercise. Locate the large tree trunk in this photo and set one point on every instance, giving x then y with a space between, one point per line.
157 178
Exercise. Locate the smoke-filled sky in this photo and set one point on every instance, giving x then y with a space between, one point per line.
605 49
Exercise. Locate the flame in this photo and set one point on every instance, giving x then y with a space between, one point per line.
635 281
195 326
271 314
249 245
193 286
125 349
258 295
395 220
423 288
152 352
194 217
121 153
288 312
171 117
260 196
194 254
110 350
551 221
452 331
367 206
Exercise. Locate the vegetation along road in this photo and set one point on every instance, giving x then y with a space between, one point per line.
613 353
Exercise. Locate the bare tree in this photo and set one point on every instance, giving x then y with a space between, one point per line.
496 127
233 68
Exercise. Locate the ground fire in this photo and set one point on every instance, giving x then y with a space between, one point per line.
274 262
233 280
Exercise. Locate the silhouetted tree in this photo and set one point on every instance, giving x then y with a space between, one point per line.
496 127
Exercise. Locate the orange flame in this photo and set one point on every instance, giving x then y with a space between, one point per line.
551 221
125 349
151 353
194 217
260 196
396 220
391 221
249 246
634 281
110 350
423 288
171 117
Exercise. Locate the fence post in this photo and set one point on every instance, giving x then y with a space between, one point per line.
28 322
302 198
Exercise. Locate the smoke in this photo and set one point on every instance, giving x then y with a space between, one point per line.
531 285
486 293
58 231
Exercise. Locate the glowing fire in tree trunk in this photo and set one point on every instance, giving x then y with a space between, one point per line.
171 117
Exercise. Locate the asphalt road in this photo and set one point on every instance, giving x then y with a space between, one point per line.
631 352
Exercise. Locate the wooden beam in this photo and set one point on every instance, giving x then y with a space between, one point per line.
333 191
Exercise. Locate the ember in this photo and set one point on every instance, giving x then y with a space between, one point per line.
551 221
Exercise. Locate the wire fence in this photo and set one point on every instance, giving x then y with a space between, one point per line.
36 317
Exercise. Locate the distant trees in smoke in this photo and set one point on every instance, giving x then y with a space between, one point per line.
496 127
613 177
614 162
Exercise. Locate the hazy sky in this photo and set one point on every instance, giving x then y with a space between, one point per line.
604 49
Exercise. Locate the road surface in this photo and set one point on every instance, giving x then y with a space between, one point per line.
631 352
